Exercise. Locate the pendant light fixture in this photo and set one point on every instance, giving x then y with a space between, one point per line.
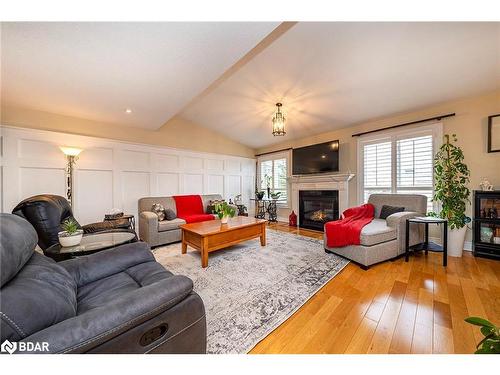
279 122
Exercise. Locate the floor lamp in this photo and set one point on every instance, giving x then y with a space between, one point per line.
71 157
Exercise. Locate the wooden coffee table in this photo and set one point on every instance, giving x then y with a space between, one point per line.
209 236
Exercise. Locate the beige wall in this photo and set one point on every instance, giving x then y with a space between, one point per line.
469 124
177 133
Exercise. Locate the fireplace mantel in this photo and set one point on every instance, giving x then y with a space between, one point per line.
336 181
336 177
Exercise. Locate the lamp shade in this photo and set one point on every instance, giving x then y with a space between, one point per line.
70 151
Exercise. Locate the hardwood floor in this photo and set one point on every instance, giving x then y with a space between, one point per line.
394 307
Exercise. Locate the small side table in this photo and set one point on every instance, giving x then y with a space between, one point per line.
260 208
427 245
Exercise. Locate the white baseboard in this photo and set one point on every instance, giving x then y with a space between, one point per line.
467 244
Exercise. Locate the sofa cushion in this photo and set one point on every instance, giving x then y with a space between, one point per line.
159 210
170 214
377 232
386 211
41 295
101 292
166 225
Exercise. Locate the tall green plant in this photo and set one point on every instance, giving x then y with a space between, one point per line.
451 178
490 344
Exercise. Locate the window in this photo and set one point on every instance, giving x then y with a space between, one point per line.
399 162
273 168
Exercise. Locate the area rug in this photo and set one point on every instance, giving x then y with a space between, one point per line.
249 290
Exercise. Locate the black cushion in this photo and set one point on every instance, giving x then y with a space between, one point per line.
170 214
389 210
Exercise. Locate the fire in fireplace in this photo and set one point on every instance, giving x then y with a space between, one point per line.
316 207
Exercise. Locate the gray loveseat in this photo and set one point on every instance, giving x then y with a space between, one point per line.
163 232
385 239
115 301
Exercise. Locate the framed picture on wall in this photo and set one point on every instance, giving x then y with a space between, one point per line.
494 133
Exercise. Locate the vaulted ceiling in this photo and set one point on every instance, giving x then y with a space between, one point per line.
98 70
327 75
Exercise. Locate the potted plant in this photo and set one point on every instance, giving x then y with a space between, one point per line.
71 234
259 195
451 189
490 344
268 184
224 211
276 195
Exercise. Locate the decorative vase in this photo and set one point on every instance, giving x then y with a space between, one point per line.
224 219
268 193
67 240
292 219
456 239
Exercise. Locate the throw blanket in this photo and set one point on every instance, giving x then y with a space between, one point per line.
346 231
190 208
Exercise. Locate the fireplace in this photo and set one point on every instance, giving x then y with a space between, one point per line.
316 207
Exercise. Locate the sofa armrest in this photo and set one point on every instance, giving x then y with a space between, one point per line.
395 219
105 226
94 327
398 221
148 227
96 266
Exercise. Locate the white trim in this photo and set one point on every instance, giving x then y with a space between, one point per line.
394 135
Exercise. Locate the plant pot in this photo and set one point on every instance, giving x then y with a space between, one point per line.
224 219
67 240
456 239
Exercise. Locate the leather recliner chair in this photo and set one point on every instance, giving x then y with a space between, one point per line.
47 212
115 301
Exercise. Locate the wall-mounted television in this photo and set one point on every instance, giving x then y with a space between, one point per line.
319 158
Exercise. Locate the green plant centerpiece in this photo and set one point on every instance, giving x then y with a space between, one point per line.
224 211
71 234
490 344
451 179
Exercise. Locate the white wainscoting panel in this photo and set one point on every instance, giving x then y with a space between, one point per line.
166 163
232 185
34 181
214 164
135 185
192 184
215 184
167 184
96 188
113 174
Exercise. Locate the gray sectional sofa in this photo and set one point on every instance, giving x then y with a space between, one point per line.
384 239
156 232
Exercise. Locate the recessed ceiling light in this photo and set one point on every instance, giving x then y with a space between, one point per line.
128 110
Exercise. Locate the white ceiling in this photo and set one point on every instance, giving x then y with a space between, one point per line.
332 75
327 75
97 70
